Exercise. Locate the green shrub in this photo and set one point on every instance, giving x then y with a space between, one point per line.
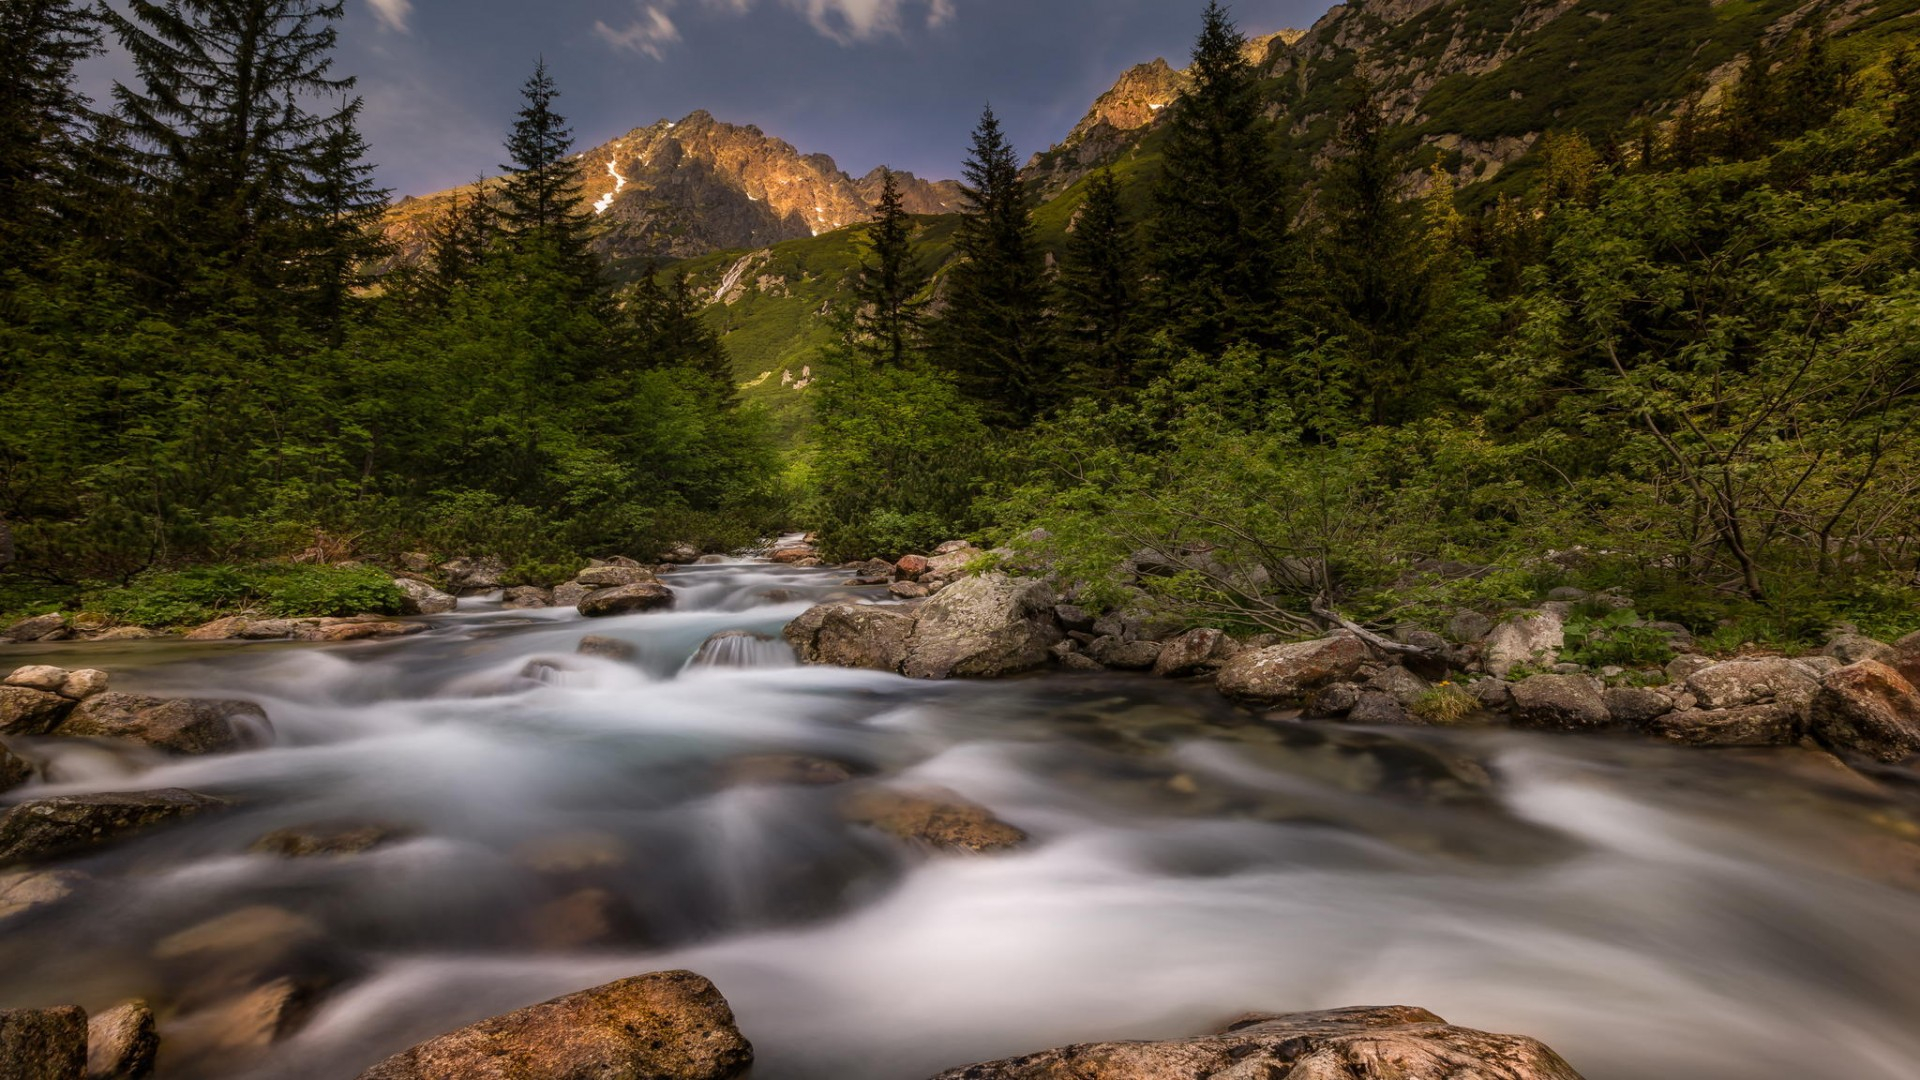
1618 637
281 590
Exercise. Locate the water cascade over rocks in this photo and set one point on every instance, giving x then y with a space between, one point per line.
504 837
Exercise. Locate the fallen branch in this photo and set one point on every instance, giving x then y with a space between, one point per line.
1383 644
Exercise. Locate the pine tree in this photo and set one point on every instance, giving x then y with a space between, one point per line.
666 331
43 119
886 324
994 333
542 208
1217 237
347 204
1098 289
225 138
458 239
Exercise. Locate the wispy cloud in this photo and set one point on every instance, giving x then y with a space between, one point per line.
848 21
648 35
393 13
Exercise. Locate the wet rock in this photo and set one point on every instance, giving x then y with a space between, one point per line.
570 594
613 577
740 649
1119 655
792 554
710 560
1378 707
246 1022
338 630
608 647
911 567
43 1044
175 725
122 1043
908 590
871 572
38 677
1469 627
1530 639
1073 617
571 854
1853 648
312 841
1402 685
1390 1043
627 600
1286 674
1195 652
681 554
1635 706
1738 683
1869 708
526 598
983 627
14 770
1494 695
250 939
468 576
583 918
24 711
420 598
670 1025
1767 724
851 636
1333 700
1559 703
64 824
784 770
83 684
38 628
938 818
26 891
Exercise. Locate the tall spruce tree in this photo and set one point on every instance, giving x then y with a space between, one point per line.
541 209
886 322
1217 235
346 204
1099 290
994 334
226 137
43 119
666 331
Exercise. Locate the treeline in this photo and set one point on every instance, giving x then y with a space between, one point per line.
1686 363
198 366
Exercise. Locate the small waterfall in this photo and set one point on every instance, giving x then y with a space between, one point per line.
742 649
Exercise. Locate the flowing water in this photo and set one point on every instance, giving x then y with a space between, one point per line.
567 820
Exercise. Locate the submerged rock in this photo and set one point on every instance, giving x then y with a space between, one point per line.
64 824
1869 708
852 636
27 891
799 770
670 1025
122 1043
988 626
43 1044
1287 674
1390 1043
939 818
175 725
311 841
741 649
607 647
526 598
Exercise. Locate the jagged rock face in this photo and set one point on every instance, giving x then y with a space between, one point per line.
684 188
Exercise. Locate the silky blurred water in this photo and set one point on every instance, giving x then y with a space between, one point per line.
1650 912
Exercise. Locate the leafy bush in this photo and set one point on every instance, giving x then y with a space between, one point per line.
1619 637
281 590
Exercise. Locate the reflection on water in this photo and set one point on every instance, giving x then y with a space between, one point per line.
553 821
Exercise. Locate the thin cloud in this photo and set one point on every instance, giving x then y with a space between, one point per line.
849 21
648 35
393 13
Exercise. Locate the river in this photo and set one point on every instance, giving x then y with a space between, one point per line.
1650 912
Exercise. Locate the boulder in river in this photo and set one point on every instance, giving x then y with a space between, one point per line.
26 711
1869 708
43 1044
469 576
1287 674
938 818
1379 1043
122 1043
1636 706
852 636
526 598
612 577
175 725
41 677
670 1025
64 824
627 600
38 628
1770 723
607 647
1560 703
420 598
986 627
784 770
1735 683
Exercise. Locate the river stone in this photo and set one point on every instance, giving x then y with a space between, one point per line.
908 590
792 553
852 636
338 630
1377 707
784 770
612 577
25 891
43 1044
1380 1043
1853 648
1195 652
1559 703
1402 685
1333 701
63 824
175 725
38 628
911 567
607 647
246 1022
1286 674
1635 706
14 770
1530 639
939 818
1111 652
473 575
310 841
122 1043
1772 723
38 677
24 711
670 1025
570 594
83 684
526 598
1870 708
1469 627
626 600
1735 683
983 627
420 598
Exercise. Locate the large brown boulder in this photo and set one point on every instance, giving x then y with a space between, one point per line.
1560 703
43 1044
175 725
627 600
852 636
26 711
934 817
121 1043
1870 708
983 627
1287 674
670 1025
63 824
1390 1043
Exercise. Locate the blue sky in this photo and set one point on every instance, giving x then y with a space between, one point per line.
870 82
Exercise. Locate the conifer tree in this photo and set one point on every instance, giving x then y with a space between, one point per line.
667 332
43 119
346 205
886 323
1098 289
994 333
542 208
1217 233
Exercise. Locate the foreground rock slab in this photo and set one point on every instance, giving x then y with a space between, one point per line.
64 824
670 1025
1385 1043
43 1044
938 818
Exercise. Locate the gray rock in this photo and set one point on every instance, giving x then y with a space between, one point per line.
1818 666
83 684
1559 703
1286 674
612 577
14 770
42 677
1634 706
983 627
38 628
175 725
1378 707
908 590
1494 695
1568 593
1853 648
1681 668
64 824
122 1043
1772 723
1073 617
570 594
627 600
1195 652
420 598
43 1044
1736 683
24 711
852 635
1469 626
1117 624
1334 700
1402 685
527 598
1125 655
1078 662
1529 639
